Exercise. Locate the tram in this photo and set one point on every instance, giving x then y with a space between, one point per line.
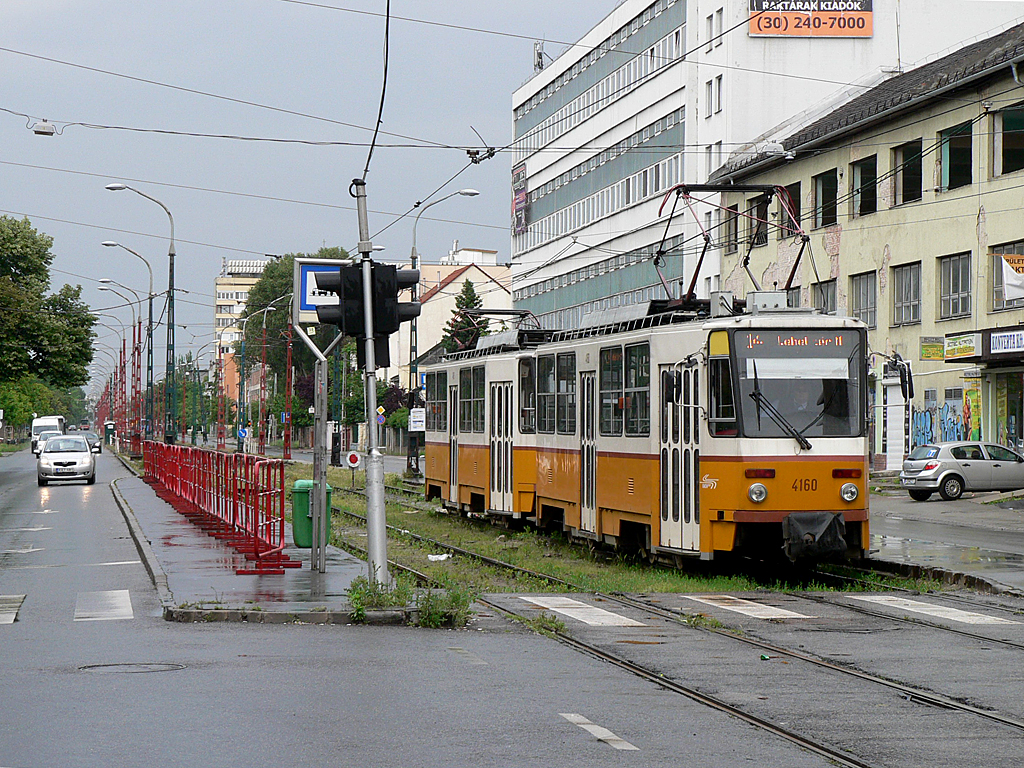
676 434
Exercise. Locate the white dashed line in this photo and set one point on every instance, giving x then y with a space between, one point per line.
9 607
596 730
942 612
588 614
104 606
747 607
72 565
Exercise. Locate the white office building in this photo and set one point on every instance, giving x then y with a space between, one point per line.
660 93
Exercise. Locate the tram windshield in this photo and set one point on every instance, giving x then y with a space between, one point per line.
800 384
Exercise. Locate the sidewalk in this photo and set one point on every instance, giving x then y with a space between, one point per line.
195 573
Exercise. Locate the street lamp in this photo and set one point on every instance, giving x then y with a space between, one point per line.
149 339
242 420
169 430
412 464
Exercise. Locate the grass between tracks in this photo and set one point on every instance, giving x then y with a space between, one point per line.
552 555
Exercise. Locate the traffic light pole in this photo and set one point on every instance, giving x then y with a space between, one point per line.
376 525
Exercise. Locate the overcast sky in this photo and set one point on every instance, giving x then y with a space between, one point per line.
284 198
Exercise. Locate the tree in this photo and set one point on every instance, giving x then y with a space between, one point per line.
462 331
45 336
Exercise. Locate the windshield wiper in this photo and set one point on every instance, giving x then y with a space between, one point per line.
773 413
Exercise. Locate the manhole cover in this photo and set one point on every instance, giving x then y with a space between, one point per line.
131 668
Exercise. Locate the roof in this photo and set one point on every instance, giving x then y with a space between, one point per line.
452 277
244 267
918 86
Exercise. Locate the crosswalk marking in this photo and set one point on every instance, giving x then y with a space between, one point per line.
588 614
747 607
71 565
104 606
9 607
939 611
596 730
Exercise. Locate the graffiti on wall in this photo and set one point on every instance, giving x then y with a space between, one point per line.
937 423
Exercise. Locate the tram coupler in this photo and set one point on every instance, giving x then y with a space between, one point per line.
813 534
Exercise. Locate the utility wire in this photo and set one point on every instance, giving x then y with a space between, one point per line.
383 88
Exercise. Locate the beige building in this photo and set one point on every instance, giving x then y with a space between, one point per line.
908 195
232 287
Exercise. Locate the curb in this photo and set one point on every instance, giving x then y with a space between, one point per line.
152 565
396 616
953 578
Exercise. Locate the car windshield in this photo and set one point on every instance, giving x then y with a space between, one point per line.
924 452
47 435
66 445
90 436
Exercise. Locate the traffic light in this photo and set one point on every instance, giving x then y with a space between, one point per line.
388 312
347 314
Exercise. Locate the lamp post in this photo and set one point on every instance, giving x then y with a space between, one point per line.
412 465
149 339
169 430
133 399
241 378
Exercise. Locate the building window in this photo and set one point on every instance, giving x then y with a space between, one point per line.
789 211
955 160
908 172
1009 140
906 294
709 24
437 402
864 298
709 92
610 386
793 297
638 389
718 94
566 396
955 286
731 234
757 221
998 296
824 294
718 26
864 177
826 190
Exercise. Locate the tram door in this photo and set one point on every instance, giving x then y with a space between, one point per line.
501 446
680 458
588 452
453 444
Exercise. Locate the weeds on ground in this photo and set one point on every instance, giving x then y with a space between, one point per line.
445 608
546 624
364 595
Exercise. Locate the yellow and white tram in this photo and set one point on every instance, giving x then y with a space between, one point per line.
669 433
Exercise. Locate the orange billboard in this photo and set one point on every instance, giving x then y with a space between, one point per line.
810 18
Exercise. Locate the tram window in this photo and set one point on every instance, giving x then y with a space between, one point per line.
479 389
638 389
546 394
611 391
722 406
437 402
527 397
566 409
466 400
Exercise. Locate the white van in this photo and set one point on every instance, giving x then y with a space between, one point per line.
46 424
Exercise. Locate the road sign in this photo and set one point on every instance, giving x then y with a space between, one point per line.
380 419
353 460
243 432
380 409
312 410
417 419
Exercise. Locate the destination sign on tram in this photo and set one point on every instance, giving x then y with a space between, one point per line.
810 18
792 343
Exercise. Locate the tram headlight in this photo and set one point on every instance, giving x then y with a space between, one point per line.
757 493
849 491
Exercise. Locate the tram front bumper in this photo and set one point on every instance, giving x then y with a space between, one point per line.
813 534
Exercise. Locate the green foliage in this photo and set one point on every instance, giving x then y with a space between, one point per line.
462 331
364 595
445 608
20 399
45 336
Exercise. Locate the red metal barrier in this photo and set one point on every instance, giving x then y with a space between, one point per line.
235 497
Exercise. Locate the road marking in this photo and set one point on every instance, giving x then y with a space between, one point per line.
30 530
9 607
588 614
71 565
28 551
747 607
104 606
469 658
942 612
603 734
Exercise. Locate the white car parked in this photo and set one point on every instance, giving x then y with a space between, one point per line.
66 457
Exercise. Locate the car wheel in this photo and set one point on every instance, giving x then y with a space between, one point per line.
952 488
91 480
920 495
42 481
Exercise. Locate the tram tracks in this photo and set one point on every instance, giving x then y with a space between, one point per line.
904 690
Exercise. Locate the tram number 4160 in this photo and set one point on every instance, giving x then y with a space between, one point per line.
805 484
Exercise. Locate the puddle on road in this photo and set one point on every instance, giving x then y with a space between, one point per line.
942 555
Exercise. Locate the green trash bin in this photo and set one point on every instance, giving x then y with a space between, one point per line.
302 520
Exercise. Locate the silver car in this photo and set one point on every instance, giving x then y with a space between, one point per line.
41 438
66 457
966 465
